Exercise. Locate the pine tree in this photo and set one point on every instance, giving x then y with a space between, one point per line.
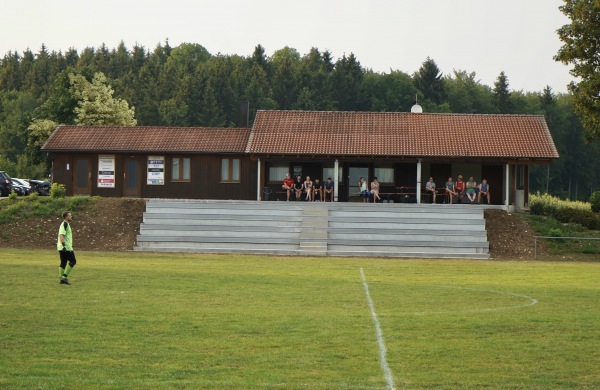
502 94
428 80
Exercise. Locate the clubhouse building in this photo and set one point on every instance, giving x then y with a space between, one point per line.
402 149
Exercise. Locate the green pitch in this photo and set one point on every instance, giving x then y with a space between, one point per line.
241 322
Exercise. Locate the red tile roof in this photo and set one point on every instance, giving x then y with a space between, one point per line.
339 133
401 134
148 139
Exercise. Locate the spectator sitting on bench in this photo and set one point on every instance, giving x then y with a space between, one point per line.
471 190
450 192
329 187
375 190
430 187
317 191
308 187
298 187
364 191
288 184
459 188
484 190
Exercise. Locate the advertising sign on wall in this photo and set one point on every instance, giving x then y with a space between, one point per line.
106 171
156 170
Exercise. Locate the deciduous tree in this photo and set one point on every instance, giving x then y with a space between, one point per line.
96 105
582 49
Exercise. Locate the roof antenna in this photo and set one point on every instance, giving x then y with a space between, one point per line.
416 109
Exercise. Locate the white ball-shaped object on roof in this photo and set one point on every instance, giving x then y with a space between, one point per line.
416 109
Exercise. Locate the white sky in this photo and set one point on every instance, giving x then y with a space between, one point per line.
485 36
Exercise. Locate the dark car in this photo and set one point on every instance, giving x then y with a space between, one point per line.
41 187
19 188
5 184
22 182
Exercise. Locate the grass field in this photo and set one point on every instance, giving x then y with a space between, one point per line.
240 322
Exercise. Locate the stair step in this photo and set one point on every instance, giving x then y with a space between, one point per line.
314 229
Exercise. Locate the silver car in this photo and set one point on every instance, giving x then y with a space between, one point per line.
23 183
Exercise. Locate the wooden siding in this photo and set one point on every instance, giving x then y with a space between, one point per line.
205 180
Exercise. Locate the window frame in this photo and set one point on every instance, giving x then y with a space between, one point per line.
181 170
230 170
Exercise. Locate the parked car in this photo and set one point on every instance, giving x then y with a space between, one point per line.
41 187
22 183
5 184
18 188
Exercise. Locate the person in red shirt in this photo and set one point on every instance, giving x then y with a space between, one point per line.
288 183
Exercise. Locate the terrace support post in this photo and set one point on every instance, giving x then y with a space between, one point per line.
258 183
507 185
418 182
336 180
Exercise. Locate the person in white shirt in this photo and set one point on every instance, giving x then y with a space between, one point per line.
430 187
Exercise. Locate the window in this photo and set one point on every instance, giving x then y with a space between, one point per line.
328 171
180 169
278 171
230 169
384 174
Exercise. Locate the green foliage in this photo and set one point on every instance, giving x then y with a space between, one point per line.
96 105
502 95
24 168
555 232
595 201
580 48
428 79
40 206
16 110
12 196
467 95
39 131
57 190
550 227
563 210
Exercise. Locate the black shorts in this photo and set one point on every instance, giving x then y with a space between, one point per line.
67 256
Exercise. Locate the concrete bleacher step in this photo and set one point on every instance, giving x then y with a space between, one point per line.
313 229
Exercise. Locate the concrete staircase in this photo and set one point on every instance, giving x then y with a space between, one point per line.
314 229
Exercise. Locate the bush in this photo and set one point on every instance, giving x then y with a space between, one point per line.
586 218
555 232
595 201
57 190
536 207
12 196
563 214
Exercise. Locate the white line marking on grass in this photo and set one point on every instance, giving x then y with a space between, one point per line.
532 302
382 350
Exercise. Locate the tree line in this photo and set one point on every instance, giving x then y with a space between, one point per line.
188 86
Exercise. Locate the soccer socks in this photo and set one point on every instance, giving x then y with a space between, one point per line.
61 272
68 269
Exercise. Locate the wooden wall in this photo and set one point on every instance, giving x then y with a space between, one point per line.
205 180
